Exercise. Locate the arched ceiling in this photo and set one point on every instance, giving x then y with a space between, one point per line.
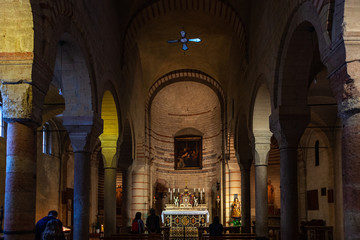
217 23
211 55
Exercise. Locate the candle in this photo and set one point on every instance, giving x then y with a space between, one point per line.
173 189
203 190
194 190
200 195
178 190
169 190
199 189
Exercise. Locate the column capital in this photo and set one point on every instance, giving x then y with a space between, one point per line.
262 147
345 84
22 102
83 131
288 124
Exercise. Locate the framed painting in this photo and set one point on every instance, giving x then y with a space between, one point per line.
188 152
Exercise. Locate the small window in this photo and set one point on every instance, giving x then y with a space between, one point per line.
46 148
2 123
317 156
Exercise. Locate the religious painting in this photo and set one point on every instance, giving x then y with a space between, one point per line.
188 152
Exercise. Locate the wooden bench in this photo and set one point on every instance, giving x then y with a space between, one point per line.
206 236
130 236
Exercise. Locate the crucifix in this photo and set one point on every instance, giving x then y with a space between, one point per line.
184 40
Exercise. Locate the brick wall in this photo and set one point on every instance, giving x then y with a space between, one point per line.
186 105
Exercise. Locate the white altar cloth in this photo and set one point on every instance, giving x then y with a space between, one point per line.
174 212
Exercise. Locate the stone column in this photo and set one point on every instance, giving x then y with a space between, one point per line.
20 189
110 201
124 214
109 190
245 198
83 132
288 127
262 148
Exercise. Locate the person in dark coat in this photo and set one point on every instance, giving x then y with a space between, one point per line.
216 228
153 222
41 224
53 231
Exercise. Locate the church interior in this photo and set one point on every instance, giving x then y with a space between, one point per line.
245 110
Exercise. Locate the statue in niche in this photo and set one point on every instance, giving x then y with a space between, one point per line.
271 194
235 211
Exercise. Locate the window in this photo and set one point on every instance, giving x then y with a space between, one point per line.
317 156
2 123
46 143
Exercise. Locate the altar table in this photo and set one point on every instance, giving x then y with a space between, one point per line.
188 220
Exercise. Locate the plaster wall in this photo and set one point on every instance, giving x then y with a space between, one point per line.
48 182
318 177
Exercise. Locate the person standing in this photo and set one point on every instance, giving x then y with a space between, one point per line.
137 225
41 224
153 222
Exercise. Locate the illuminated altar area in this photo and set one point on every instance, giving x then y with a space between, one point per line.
186 212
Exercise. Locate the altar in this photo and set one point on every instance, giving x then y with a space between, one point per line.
185 214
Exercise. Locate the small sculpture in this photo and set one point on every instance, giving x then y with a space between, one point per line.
196 201
235 212
176 201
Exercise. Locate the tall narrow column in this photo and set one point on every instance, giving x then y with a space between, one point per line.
81 194
288 128
110 165
110 201
20 189
124 205
83 132
262 147
245 198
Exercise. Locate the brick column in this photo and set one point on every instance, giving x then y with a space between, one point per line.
262 148
288 126
22 102
20 189
345 84
83 132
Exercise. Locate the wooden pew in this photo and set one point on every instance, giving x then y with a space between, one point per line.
130 236
226 236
